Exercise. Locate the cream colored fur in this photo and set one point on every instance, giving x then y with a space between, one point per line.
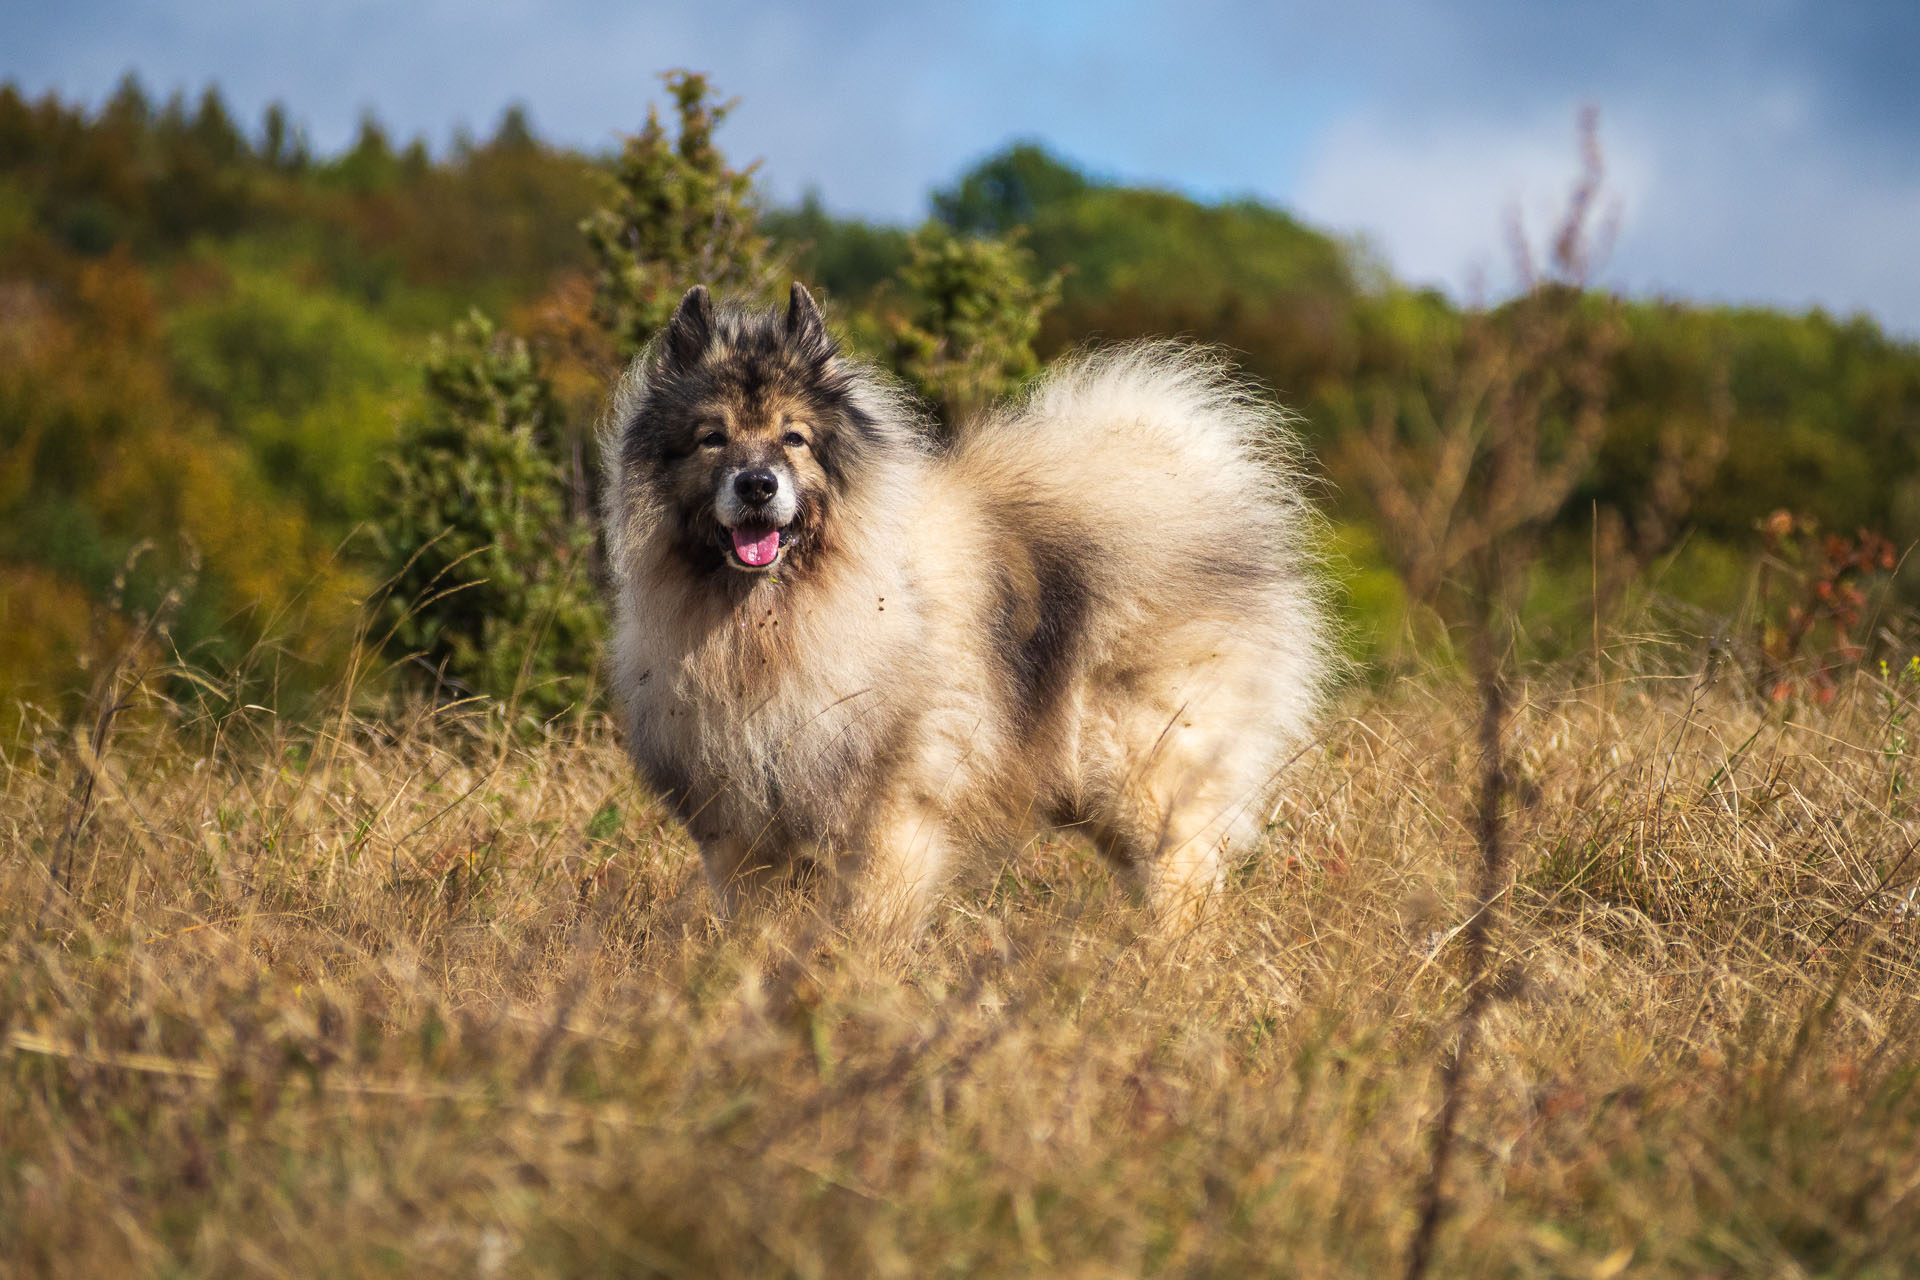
861 718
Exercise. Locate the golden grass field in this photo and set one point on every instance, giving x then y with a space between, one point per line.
429 1000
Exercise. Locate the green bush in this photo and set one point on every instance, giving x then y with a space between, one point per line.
491 590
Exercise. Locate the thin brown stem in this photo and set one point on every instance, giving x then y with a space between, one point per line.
1478 936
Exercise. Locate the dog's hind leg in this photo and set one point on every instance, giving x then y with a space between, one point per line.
1172 823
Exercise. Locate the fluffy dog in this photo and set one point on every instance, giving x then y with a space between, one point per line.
839 645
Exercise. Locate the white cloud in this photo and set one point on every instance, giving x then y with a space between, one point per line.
1738 200
1438 197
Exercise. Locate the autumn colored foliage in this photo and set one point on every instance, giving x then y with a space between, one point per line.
1819 595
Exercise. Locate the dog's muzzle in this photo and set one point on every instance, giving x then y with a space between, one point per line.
755 505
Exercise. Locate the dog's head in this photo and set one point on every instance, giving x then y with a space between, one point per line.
746 427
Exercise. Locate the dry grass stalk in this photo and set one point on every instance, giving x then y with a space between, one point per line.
1477 935
1509 418
1518 421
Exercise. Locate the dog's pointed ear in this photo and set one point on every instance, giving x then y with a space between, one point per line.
806 327
691 329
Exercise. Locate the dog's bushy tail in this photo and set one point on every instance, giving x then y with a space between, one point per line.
1181 479
1195 389
1162 433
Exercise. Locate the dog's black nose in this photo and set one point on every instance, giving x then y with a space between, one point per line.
756 485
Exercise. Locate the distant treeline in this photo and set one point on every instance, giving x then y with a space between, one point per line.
211 337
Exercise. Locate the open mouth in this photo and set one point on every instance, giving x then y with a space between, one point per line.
755 546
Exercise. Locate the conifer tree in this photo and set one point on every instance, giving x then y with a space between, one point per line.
677 215
371 165
129 107
215 133
972 309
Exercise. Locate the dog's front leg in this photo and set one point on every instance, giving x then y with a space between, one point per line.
894 881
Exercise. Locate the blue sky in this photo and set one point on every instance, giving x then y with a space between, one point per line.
1766 151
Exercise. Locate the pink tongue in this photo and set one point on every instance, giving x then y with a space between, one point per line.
756 549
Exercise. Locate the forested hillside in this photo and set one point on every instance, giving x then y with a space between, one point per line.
212 339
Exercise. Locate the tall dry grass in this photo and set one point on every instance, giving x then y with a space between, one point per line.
368 999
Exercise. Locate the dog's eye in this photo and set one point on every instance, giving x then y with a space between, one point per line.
794 440
713 439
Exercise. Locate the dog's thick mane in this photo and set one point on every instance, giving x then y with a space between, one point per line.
764 653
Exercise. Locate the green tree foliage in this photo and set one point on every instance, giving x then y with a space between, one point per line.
1140 262
281 145
490 586
964 337
1008 191
849 258
372 164
1825 409
1120 241
206 343
307 380
677 215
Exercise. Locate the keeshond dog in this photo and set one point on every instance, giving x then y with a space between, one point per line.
840 645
